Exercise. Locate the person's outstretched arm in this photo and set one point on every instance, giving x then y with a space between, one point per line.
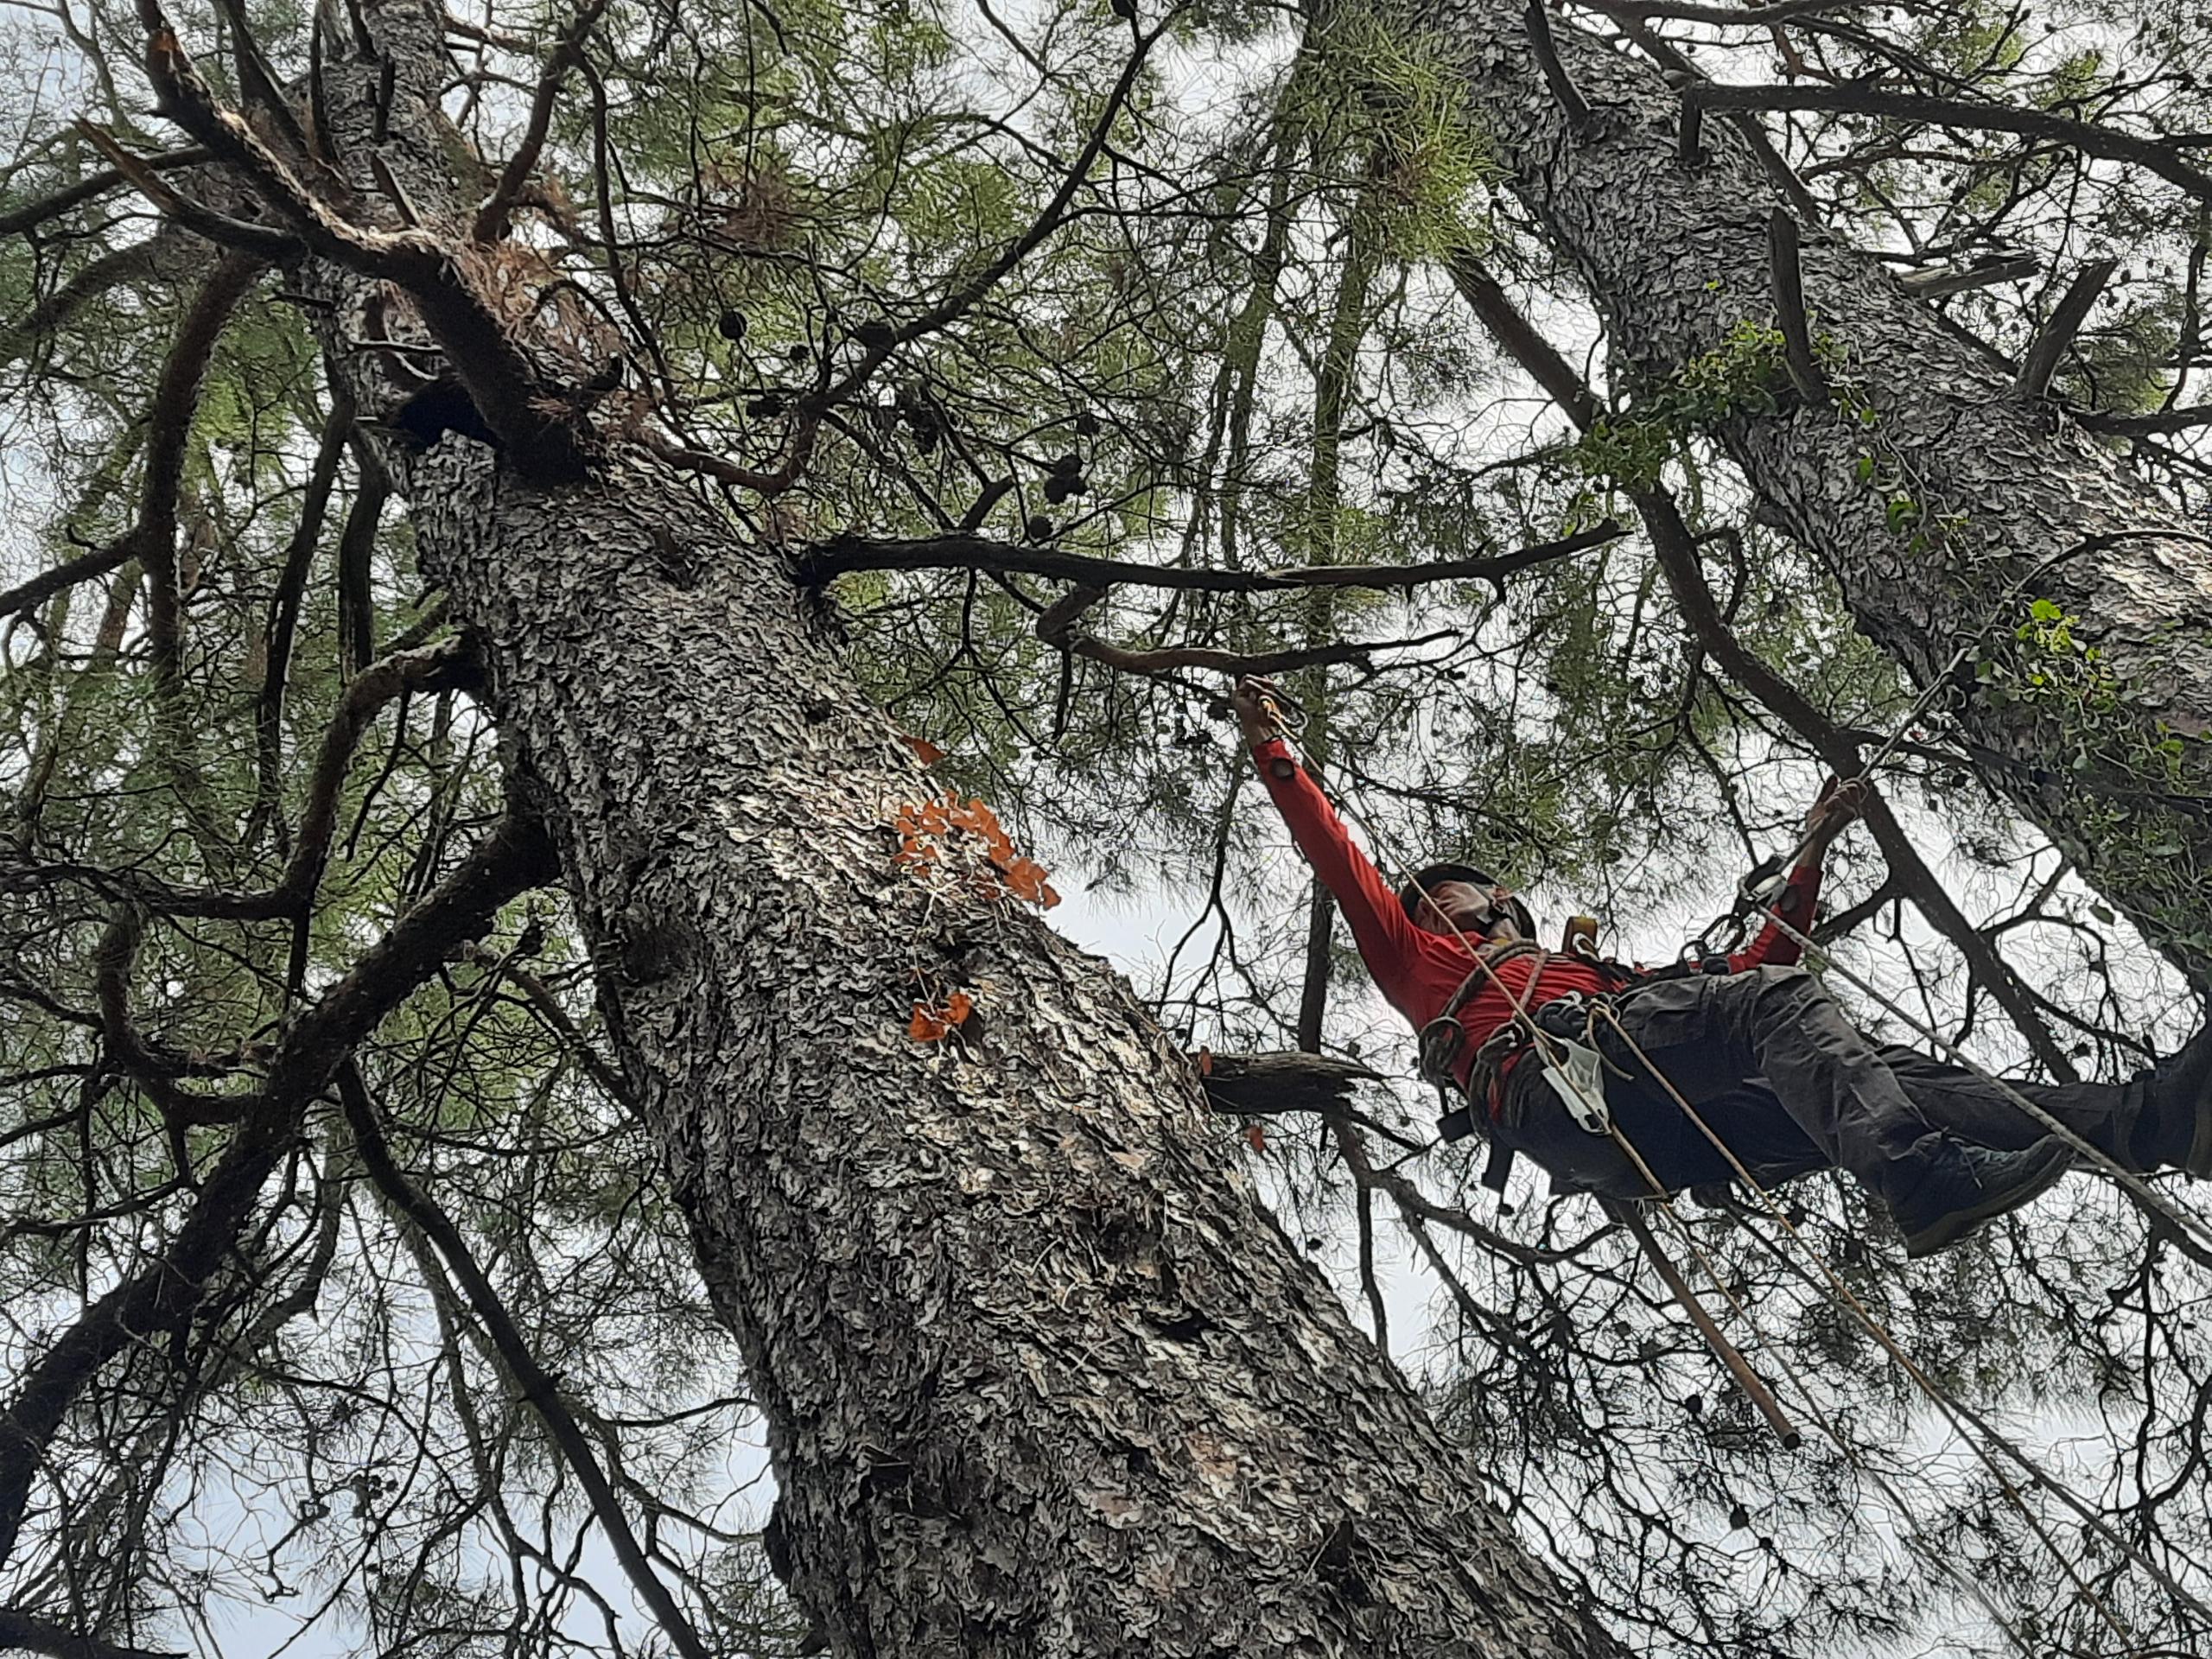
1389 941
1838 806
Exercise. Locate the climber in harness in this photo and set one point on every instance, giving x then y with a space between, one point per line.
1752 1041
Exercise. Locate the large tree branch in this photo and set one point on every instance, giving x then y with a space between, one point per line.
154 1070
2158 423
515 858
176 398
485 356
970 552
20 1631
91 188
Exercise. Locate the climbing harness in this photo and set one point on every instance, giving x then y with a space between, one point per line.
1525 1029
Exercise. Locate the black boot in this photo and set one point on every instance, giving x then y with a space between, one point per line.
2175 1128
1961 1192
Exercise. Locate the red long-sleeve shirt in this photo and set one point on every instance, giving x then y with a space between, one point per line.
1418 970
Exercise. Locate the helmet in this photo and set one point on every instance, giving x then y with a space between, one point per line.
1418 884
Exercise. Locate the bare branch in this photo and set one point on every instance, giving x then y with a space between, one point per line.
220 228
841 554
2056 334
92 188
492 217
1936 284
1555 76
2091 138
530 1377
1170 659
1789 284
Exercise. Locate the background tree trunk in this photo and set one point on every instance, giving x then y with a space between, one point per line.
1676 258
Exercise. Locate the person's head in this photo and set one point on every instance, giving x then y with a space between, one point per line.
1453 899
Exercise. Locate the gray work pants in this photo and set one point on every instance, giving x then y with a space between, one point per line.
1780 1074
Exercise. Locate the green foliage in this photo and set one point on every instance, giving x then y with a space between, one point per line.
1383 94
1745 374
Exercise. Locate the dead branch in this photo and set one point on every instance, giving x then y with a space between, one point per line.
1555 76
961 552
2089 137
1787 282
2057 333
1936 284
1266 1085
91 188
489 364
224 230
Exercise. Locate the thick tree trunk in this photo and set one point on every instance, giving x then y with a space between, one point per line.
1042 1376
1676 257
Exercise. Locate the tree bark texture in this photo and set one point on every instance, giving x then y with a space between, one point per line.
1043 1378
1976 503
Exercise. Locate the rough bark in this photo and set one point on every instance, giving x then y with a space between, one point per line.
1675 258
1042 1376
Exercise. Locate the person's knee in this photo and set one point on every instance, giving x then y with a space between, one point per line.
1770 975
1792 999
1791 987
